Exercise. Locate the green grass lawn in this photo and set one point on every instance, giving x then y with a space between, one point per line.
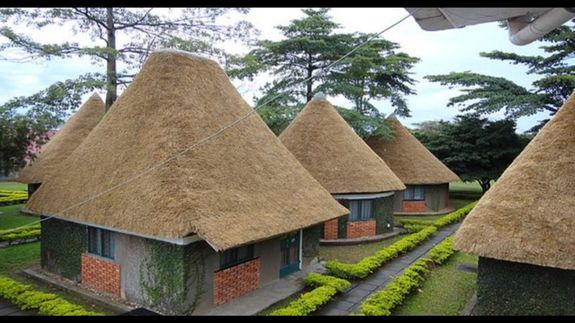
445 291
18 257
11 217
13 186
354 253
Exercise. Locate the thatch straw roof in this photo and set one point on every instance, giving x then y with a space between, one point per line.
63 143
240 187
528 216
409 159
334 154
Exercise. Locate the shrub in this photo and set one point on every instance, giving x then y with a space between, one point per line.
325 288
382 302
27 232
26 298
308 302
316 280
369 264
13 197
452 217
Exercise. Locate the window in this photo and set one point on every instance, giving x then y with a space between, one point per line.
414 193
101 242
236 256
361 210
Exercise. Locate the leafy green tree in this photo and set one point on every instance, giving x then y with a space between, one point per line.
191 29
473 147
374 71
310 45
486 94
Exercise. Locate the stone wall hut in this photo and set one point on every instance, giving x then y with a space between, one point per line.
212 223
63 143
426 178
340 160
523 228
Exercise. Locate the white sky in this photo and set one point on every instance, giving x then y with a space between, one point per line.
440 52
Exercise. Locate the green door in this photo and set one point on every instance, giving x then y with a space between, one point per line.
289 254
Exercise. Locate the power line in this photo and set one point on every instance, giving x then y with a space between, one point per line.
217 133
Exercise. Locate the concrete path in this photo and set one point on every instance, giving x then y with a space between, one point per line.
349 302
7 309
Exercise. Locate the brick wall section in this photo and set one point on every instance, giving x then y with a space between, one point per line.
100 274
330 230
236 281
358 229
414 206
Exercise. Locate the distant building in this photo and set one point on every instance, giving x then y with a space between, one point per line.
340 160
62 144
426 178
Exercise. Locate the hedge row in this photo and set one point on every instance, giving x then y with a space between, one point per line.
13 197
24 233
369 264
26 298
456 216
382 302
325 288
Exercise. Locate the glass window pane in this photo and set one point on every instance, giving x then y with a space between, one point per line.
93 240
354 209
419 193
366 209
107 245
408 193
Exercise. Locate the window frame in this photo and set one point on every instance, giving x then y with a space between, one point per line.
358 217
100 243
409 194
234 258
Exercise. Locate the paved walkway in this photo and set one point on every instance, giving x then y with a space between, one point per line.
7 309
349 301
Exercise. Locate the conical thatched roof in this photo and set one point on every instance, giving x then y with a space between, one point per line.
529 214
74 131
334 154
409 159
241 186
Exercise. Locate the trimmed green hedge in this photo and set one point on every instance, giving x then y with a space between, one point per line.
26 298
369 264
13 197
326 287
455 216
24 233
382 302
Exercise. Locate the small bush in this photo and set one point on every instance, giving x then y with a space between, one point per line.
456 216
382 302
27 232
26 298
369 264
308 302
316 280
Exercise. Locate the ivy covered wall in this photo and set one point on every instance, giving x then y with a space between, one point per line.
62 244
512 288
310 243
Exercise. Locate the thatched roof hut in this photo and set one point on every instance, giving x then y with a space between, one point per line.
239 187
409 159
528 216
63 143
334 154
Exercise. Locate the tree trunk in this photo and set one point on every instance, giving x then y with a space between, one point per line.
485 184
111 78
309 82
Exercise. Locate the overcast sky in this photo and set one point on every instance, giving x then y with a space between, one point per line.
440 52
